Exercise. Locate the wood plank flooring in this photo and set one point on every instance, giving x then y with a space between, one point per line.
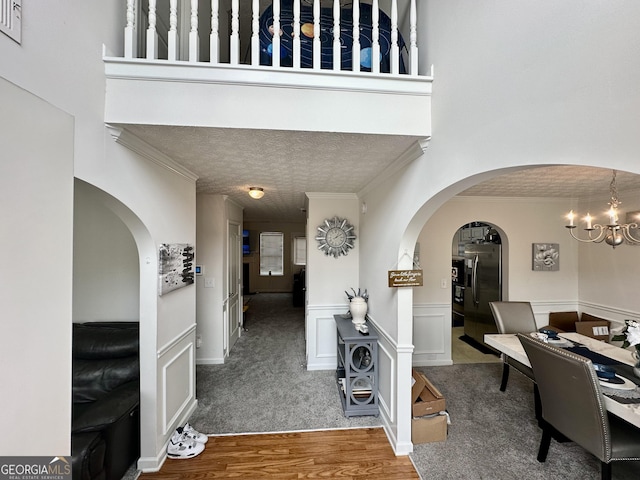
352 454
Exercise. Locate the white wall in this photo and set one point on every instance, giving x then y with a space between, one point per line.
504 95
214 212
106 274
328 277
36 205
60 61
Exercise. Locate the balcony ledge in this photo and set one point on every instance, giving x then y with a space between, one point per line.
157 92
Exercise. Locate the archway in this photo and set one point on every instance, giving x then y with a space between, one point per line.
147 272
445 211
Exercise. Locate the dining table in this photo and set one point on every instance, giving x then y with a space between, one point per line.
622 400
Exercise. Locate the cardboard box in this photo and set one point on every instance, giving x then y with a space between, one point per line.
426 399
598 329
429 429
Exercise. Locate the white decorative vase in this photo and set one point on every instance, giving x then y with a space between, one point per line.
358 309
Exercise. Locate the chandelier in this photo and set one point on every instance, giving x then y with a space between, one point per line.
613 233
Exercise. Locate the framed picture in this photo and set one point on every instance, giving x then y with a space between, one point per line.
545 257
175 268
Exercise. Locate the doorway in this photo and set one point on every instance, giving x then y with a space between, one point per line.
476 279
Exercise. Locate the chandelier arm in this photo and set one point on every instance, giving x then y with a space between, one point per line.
626 233
601 234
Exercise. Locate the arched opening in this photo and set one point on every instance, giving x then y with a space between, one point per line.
524 215
130 240
477 259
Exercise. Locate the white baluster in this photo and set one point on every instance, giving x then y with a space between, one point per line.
317 45
296 34
375 37
130 37
337 46
214 39
194 38
395 51
152 34
234 54
414 39
255 38
275 42
355 50
173 31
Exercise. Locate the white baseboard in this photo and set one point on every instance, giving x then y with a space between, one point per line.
210 361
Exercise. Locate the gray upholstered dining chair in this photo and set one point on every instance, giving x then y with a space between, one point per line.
513 317
572 405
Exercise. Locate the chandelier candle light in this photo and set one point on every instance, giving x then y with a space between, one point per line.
613 233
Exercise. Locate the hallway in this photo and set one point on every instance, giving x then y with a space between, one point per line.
264 385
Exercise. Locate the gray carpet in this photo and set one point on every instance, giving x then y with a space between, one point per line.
264 387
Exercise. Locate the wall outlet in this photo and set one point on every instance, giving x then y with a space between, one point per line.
443 283
209 282
198 341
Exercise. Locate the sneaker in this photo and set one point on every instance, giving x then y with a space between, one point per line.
193 434
182 447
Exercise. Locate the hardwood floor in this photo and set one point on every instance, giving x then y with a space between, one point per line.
352 454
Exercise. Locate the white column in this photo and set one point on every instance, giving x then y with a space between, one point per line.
317 45
296 34
214 39
355 50
375 37
194 38
130 37
152 34
234 44
275 52
255 38
414 39
395 51
173 31
337 46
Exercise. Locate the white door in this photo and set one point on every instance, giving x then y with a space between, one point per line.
234 300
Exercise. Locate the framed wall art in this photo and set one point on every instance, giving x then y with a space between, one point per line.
175 268
545 257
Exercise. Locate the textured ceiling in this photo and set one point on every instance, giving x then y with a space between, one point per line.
285 164
288 164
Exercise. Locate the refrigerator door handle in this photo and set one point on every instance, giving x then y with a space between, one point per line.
474 280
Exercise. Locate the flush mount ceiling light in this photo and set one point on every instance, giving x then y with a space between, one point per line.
613 233
256 192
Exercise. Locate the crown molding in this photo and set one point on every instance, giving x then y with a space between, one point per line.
412 153
135 144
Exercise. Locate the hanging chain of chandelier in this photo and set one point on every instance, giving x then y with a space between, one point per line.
612 233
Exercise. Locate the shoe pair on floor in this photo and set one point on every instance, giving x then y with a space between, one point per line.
186 442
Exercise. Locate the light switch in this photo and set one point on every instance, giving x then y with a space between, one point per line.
209 282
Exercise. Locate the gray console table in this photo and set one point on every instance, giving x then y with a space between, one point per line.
357 372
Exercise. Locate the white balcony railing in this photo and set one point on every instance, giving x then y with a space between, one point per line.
362 36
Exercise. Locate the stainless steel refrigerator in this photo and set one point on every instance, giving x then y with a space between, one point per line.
483 284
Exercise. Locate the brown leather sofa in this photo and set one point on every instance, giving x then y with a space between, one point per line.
105 435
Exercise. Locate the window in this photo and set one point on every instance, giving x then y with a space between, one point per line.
299 250
271 253
10 18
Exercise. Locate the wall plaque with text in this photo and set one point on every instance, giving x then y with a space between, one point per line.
405 278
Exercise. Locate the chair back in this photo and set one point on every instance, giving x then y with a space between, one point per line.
513 317
570 395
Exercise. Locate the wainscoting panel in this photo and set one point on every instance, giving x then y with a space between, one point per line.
176 362
432 334
386 379
321 336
